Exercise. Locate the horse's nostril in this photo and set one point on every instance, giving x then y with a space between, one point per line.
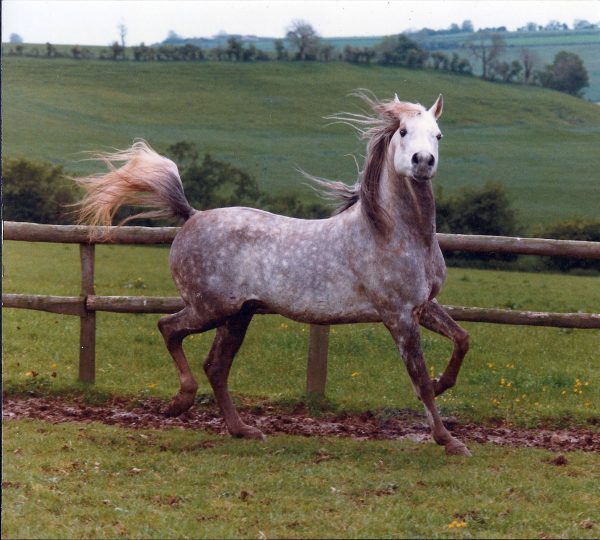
431 161
415 159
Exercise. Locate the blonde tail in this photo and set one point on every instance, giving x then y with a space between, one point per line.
145 179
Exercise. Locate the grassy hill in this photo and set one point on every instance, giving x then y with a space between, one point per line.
268 119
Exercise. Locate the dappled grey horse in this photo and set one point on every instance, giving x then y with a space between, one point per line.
376 260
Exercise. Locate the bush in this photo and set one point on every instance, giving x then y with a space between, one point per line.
577 229
485 210
36 191
211 183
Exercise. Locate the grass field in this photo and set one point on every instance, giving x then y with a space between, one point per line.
268 119
96 481
89 480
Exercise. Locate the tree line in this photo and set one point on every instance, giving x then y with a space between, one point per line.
42 193
567 72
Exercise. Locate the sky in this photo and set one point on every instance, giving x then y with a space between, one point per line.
95 22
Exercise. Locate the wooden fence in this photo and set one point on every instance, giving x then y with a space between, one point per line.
88 303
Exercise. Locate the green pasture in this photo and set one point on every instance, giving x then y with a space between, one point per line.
268 119
95 481
524 376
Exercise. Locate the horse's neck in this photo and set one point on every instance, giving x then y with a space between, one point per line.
410 205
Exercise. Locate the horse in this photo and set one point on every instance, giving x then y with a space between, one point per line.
376 259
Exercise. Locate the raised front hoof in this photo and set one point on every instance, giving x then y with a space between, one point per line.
248 432
456 448
179 404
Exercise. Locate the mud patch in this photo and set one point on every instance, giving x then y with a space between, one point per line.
148 414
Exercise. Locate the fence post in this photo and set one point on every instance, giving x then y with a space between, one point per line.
87 329
316 371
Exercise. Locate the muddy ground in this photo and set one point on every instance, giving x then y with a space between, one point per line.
148 414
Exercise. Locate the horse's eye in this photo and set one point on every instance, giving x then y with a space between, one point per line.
439 136
403 132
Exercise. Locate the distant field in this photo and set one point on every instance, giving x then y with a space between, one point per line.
268 119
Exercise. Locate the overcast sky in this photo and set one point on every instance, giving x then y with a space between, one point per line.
94 22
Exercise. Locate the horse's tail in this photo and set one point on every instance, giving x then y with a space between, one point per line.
145 179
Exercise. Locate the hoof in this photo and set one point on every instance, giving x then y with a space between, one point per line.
249 432
179 404
456 448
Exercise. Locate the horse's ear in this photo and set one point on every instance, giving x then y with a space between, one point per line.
437 107
396 98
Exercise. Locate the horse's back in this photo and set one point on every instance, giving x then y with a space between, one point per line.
296 267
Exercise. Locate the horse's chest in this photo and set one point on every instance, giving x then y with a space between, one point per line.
415 274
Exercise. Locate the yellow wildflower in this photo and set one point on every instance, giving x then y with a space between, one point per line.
152 385
354 373
457 523
53 365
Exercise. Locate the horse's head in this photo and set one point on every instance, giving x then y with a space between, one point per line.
414 145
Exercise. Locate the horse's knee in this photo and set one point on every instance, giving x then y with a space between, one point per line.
462 342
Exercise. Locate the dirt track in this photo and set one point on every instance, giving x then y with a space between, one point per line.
147 414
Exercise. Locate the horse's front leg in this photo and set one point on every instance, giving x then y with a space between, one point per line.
404 328
434 317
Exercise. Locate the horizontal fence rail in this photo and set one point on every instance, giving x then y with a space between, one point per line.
82 234
87 304
76 305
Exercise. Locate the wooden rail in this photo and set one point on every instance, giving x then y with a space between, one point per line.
80 305
82 234
88 303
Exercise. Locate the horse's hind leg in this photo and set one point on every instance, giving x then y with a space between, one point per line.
174 329
434 317
227 342
406 335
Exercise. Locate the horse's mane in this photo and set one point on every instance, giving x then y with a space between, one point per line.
378 130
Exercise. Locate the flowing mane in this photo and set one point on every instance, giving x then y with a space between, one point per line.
377 130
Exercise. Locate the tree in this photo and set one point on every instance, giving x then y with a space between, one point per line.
530 60
35 191
440 60
173 38
566 74
15 38
467 26
280 52
325 52
358 55
487 48
303 37
507 72
234 48
122 33
50 50
77 52
402 51
116 51
460 65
